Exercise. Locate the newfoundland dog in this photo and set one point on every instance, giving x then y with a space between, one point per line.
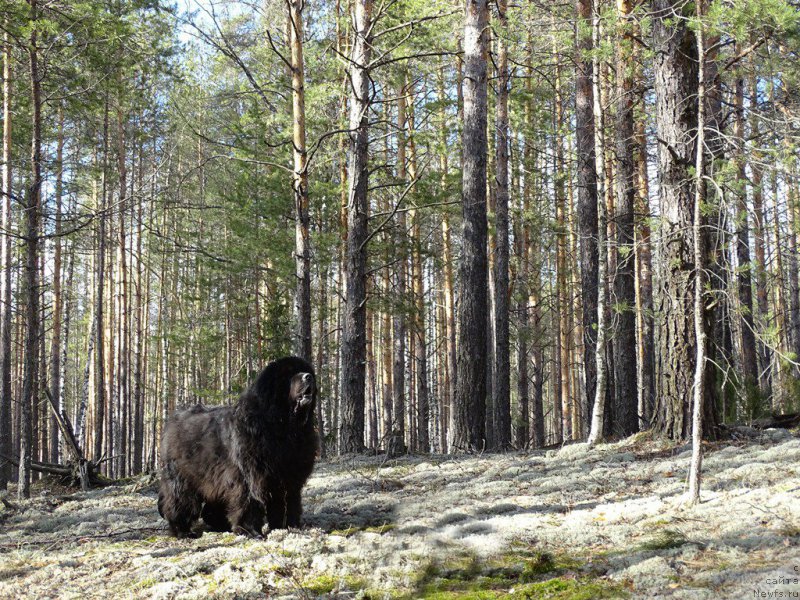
243 465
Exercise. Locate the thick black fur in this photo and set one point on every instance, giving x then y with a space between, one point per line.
241 466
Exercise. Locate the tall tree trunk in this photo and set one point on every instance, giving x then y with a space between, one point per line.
644 286
371 401
537 333
698 391
140 372
491 200
397 444
342 23
112 384
605 93
120 348
302 297
759 234
587 194
563 399
676 84
525 339
502 350
597 427
81 430
65 363
5 272
386 367
32 209
354 330
533 259
100 364
719 335
626 419
322 356
580 426
469 404
419 346
780 305
55 353
449 296
40 413
386 343
793 204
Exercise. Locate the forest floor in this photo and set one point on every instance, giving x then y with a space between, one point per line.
576 523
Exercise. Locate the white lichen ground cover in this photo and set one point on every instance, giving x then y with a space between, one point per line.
574 523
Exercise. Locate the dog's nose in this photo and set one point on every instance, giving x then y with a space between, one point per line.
306 377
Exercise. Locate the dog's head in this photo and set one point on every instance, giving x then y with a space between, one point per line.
284 392
302 395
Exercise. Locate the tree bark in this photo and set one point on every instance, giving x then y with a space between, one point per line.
449 296
81 434
759 234
371 386
122 397
322 357
354 327
5 266
32 210
522 234
563 399
100 364
141 301
719 336
40 415
644 286
587 194
698 392
502 351
397 442
780 306
625 418
597 427
470 399
420 346
55 353
793 203
68 295
527 338
676 84
302 298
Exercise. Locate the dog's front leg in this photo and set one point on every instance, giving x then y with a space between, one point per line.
276 505
294 508
247 518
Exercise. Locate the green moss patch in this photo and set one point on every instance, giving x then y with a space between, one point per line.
525 573
488 588
144 584
665 539
380 529
569 589
324 584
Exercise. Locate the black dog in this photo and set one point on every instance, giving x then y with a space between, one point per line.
240 466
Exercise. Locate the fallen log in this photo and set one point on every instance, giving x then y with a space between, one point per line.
789 421
84 473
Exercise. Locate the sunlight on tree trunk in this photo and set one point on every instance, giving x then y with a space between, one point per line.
699 267
599 408
469 403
